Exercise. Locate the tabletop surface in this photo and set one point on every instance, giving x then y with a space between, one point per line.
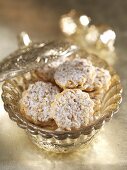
41 20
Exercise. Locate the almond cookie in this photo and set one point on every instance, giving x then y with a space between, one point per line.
78 73
36 100
72 108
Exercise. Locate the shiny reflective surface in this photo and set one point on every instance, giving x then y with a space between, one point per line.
109 149
95 39
30 57
62 141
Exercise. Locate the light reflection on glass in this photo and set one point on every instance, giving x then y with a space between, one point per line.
2 111
26 39
92 34
107 36
68 25
84 20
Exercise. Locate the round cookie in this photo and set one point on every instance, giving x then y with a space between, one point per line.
72 108
36 101
78 73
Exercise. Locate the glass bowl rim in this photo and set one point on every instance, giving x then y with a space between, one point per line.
86 130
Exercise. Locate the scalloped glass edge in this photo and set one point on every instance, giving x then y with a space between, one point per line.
61 141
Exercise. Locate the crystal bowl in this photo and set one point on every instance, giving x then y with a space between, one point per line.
60 141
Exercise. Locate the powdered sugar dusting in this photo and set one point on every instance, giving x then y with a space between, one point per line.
80 73
72 109
75 74
102 79
37 100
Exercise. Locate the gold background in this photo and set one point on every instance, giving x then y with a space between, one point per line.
40 18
